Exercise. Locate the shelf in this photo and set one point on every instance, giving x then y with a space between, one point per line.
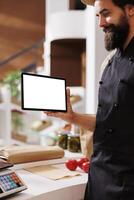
28 117
19 137
18 108
2 106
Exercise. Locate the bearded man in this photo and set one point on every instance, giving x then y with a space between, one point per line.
111 174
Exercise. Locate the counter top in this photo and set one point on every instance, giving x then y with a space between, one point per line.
41 188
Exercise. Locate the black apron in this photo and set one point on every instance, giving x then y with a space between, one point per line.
111 175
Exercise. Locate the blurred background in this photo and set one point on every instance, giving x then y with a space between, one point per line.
52 37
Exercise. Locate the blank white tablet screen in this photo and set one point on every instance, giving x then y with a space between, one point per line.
43 93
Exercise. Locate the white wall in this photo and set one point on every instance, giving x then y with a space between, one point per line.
95 50
95 56
55 6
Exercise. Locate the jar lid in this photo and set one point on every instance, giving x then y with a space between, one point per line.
74 135
63 133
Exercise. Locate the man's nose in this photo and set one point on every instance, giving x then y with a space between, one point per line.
102 22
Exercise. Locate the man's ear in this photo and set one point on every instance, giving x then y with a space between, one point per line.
129 10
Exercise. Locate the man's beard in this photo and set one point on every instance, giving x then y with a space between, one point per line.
116 35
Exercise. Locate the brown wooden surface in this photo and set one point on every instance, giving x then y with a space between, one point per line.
21 138
22 23
66 60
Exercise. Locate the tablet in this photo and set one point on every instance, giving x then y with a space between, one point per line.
40 92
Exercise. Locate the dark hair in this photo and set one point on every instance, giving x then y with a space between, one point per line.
122 3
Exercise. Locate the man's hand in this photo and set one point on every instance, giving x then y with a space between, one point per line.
67 116
83 120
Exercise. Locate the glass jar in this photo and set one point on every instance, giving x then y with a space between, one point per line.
74 143
62 140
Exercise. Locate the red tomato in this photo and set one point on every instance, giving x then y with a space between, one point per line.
85 166
81 161
71 164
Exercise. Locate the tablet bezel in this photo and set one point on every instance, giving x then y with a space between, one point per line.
43 76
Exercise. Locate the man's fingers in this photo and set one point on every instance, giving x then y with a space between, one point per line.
61 114
68 92
52 114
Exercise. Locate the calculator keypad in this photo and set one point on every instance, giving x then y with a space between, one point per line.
10 181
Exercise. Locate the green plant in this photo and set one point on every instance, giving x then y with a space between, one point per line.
12 80
17 122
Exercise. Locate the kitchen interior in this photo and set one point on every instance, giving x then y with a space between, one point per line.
51 38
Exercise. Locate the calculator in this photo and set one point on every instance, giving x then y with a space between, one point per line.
10 183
